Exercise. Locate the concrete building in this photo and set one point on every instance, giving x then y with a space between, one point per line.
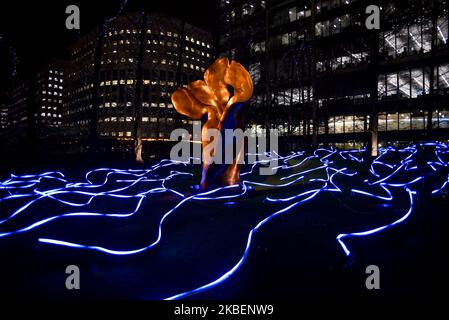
32 108
121 76
48 101
18 114
3 113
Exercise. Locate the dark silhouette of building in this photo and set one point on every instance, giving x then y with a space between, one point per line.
18 114
31 112
3 112
48 100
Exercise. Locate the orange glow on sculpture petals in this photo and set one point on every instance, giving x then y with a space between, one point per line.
213 98
185 103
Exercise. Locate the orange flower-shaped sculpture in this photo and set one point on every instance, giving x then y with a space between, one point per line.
220 96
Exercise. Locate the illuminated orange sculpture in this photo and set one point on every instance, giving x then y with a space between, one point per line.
227 84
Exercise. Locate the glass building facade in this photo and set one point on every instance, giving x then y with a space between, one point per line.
318 70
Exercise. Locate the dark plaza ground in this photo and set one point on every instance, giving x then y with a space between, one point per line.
294 255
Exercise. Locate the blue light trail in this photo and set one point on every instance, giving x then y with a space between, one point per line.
305 176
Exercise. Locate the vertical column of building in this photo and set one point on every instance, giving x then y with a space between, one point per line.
138 93
430 109
374 75
267 75
313 79
93 110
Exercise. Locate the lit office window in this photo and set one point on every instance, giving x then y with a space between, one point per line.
331 125
443 119
349 124
418 120
359 123
339 124
404 121
392 121
382 121
292 14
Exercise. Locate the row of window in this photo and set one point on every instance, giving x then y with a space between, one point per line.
54 86
52 93
51 115
162 33
131 119
155 61
129 104
399 121
413 38
341 62
131 81
407 83
61 73
56 79
159 43
285 97
49 108
162 43
242 11
408 39
336 25
50 100
300 12
120 134
128 134
414 82
388 122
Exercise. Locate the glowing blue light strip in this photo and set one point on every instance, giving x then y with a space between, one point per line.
74 214
51 194
386 198
442 187
142 249
194 197
237 266
342 236
131 178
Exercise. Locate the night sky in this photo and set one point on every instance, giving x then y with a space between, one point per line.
37 29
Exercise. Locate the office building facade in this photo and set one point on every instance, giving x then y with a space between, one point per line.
32 109
320 74
122 74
